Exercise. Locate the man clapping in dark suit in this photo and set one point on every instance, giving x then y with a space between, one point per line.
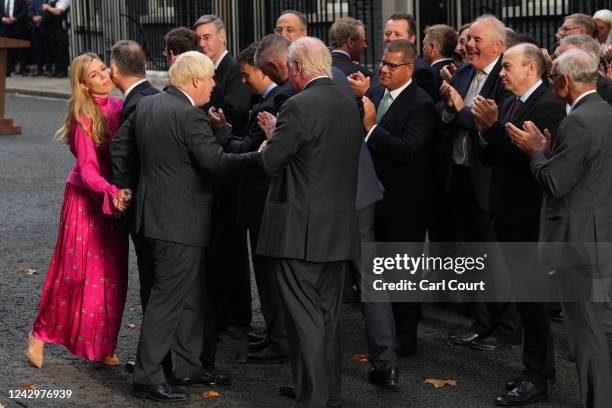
516 201
309 226
467 179
177 153
576 229
400 132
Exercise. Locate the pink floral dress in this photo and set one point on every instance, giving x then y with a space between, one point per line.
84 295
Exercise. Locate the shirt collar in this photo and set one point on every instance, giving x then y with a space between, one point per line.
487 70
342 52
530 91
268 89
440 60
188 97
131 88
218 61
314 79
395 93
581 97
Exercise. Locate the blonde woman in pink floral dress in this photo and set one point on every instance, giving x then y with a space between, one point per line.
84 295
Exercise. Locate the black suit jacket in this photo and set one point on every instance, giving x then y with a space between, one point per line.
435 69
310 209
231 94
253 187
516 198
604 88
422 76
20 12
131 100
178 154
492 89
343 63
401 149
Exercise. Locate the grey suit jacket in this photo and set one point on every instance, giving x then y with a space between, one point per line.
577 182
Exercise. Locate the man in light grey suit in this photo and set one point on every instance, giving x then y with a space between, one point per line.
577 214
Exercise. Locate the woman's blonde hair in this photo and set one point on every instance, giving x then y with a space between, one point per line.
82 104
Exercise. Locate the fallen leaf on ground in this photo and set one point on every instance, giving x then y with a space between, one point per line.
360 358
440 383
132 326
450 344
135 308
30 271
241 358
28 387
211 394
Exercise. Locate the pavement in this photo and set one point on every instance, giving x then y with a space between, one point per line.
60 87
33 170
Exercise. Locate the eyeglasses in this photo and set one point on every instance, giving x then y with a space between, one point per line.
392 67
564 29
289 30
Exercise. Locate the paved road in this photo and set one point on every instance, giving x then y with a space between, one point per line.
33 170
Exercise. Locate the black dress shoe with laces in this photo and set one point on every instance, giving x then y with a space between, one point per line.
383 378
287 391
513 383
525 393
463 338
492 343
209 378
160 392
129 366
255 337
269 355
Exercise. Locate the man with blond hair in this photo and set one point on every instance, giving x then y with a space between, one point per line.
169 141
309 228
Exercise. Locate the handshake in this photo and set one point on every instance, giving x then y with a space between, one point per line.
123 200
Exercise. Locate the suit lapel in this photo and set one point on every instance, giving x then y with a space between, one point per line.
525 110
464 86
398 104
492 78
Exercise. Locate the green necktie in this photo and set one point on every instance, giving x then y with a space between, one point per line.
383 106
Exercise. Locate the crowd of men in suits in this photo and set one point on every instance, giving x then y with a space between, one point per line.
307 153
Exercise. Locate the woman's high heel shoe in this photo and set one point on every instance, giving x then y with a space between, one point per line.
35 351
111 361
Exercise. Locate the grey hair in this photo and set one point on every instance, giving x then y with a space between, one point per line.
584 42
312 55
578 65
210 18
343 30
270 45
605 15
499 29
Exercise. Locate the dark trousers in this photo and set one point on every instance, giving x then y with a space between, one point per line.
538 344
473 224
406 314
175 312
269 296
58 47
312 295
40 47
379 317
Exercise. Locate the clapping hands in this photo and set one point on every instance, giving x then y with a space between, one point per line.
485 113
217 118
451 97
267 123
123 200
530 140
359 83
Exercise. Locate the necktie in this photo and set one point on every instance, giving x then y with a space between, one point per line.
383 106
515 107
461 146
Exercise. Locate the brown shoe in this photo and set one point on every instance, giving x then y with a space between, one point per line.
111 361
35 351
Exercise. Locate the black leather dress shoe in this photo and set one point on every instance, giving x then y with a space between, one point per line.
269 355
129 366
463 338
255 337
287 391
513 383
259 345
491 343
525 393
160 392
383 378
210 378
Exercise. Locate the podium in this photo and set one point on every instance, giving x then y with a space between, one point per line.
6 125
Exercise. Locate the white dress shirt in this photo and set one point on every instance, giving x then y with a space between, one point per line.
394 94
